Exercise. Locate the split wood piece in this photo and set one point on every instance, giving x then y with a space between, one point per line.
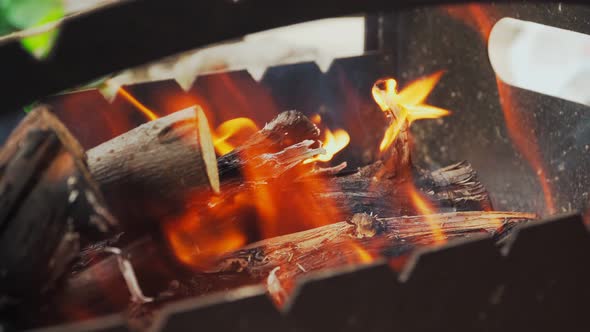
326 199
149 172
452 188
288 128
153 172
359 240
49 205
101 290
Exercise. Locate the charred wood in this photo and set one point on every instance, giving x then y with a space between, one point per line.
153 172
363 238
49 205
288 128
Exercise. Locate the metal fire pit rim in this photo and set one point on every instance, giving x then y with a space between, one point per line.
336 272
82 55
117 322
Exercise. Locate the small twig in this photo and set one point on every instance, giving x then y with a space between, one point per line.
129 275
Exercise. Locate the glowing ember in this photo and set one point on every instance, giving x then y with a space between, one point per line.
196 242
316 119
228 130
405 106
333 143
146 111
425 208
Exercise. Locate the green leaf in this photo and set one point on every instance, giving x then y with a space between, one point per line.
40 45
24 14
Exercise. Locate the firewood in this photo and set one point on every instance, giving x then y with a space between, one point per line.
452 188
288 128
49 205
379 237
148 173
358 240
361 239
330 198
144 179
153 172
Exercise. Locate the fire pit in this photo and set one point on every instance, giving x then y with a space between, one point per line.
406 188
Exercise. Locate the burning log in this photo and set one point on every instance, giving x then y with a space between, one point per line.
157 172
452 188
153 171
288 128
379 237
49 205
148 172
361 239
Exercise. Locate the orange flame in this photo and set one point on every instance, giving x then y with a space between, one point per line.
195 242
279 211
316 119
407 105
363 255
527 145
146 111
256 208
425 208
333 143
228 130
222 136
478 17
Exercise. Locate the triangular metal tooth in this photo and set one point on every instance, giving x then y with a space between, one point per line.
109 89
186 78
256 71
324 62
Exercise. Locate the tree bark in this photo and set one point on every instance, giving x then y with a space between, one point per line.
49 205
148 173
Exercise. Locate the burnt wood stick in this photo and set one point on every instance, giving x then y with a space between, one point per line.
362 239
148 173
288 128
452 188
100 289
385 237
154 171
49 205
449 189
